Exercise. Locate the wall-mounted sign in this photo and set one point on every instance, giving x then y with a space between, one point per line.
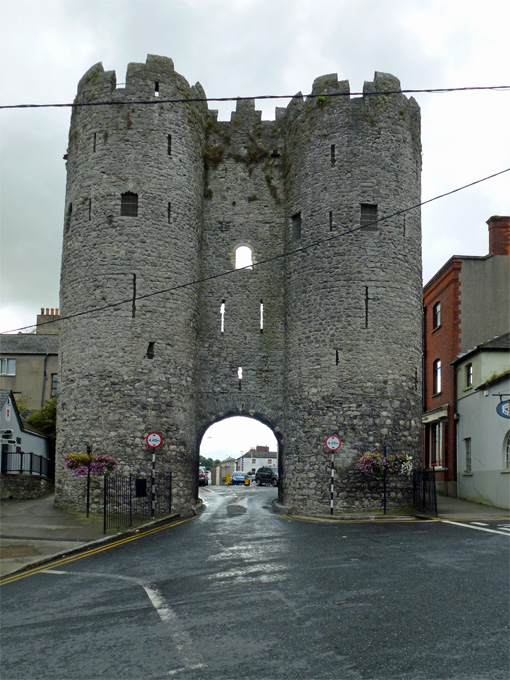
503 409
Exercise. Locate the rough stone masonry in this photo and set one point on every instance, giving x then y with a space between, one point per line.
320 336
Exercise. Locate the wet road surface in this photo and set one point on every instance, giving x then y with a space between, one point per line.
241 592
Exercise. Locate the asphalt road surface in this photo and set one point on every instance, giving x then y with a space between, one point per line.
241 592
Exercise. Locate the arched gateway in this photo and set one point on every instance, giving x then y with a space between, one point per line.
319 335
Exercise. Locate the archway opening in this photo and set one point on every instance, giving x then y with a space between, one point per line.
243 257
238 444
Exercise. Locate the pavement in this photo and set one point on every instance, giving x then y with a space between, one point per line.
35 531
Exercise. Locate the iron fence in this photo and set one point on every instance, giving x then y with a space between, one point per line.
128 499
25 463
424 490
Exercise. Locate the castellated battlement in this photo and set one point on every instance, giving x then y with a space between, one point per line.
322 335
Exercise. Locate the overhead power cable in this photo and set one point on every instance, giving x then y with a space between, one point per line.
188 100
288 253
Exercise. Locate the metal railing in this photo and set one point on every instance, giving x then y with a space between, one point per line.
25 463
128 499
424 490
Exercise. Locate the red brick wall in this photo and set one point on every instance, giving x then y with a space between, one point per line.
443 343
499 235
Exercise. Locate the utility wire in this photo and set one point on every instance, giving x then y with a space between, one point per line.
299 95
288 253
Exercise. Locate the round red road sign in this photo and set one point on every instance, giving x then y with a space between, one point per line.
333 442
154 439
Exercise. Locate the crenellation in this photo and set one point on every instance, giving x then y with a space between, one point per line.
341 341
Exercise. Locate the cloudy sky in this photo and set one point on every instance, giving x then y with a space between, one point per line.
244 48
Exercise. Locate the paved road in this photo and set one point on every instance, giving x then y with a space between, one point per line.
240 592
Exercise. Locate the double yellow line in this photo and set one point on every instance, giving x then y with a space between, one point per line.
87 553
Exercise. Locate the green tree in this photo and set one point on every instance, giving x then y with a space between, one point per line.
45 421
208 463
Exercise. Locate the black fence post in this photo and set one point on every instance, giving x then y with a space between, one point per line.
105 496
384 479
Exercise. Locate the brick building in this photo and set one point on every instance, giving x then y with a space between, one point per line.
466 303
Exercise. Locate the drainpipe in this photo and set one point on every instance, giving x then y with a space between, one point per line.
44 378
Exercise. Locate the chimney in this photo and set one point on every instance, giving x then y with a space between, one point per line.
49 318
499 235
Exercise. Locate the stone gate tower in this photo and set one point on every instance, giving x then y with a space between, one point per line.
322 335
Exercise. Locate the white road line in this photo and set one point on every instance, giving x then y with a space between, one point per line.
481 524
180 637
472 526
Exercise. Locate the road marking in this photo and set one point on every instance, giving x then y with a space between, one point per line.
472 526
481 524
86 553
181 639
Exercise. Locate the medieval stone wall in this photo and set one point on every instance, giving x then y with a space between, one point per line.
339 350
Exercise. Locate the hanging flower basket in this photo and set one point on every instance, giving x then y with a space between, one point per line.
395 464
81 464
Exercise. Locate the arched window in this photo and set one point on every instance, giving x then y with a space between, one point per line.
506 452
129 204
243 257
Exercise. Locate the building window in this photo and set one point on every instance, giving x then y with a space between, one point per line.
467 449
296 226
506 453
436 315
368 217
436 377
469 375
68 218
7 366
436 444
129 205
54 384
243 258
253 461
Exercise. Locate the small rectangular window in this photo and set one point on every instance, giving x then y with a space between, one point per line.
368 217
469 375
169 213
467 448
330 220
436 444
90 209
54 384
436 377
129 205
94 142
169 145
436 315
69 216
156 89
296 225
7 366
333 156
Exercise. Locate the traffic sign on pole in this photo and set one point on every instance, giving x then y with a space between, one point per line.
333 442
154 440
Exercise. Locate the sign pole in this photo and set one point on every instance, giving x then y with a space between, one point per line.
333 443
332 481
154 440
153 485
